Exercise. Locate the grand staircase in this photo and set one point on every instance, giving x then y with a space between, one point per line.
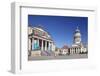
47 53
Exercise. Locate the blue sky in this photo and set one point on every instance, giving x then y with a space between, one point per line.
61 28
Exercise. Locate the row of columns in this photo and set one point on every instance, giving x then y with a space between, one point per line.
75 50
45 45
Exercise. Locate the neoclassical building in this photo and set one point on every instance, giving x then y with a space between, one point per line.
39 42
77 46
65 50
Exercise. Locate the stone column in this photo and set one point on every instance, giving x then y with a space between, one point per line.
32 43
73 50
29 46
42 45
70 50
38 43
45 45
77 50
49 46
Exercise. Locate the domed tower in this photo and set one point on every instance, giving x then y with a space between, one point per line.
77 36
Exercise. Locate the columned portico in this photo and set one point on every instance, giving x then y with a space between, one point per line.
43 45
40 42
75 50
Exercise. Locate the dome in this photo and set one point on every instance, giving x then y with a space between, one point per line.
39 28
77 34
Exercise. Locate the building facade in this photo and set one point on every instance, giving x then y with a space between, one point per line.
39 42
77 46
65 50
